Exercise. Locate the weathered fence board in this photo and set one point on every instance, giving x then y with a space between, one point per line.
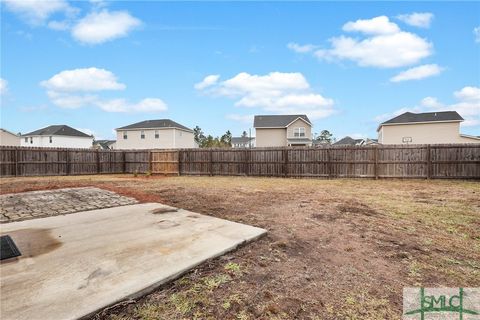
386 161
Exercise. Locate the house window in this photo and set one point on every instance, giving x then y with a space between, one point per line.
31 139
142 135
50 139
26 139
125 135
299 132
156 134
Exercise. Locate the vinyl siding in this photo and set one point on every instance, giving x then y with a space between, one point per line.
167 139
270 137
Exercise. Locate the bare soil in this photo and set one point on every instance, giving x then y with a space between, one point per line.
336 249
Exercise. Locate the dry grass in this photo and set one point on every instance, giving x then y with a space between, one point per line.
335 248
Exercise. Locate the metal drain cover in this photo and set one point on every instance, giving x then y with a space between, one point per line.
8 249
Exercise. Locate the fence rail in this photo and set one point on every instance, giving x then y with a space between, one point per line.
456 161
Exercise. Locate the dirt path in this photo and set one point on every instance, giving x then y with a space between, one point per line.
335 248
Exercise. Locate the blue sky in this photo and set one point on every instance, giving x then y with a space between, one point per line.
348 65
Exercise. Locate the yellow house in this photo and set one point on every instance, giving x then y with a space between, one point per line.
424 128
282 130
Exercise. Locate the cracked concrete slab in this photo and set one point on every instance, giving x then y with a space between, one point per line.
73 265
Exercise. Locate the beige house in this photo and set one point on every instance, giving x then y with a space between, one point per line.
155 134
8 138
282 130
424 128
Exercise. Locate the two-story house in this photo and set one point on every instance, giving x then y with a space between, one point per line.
8 138
282 130
155 134
424 128
57 136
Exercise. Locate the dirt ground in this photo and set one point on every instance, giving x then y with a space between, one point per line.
335 249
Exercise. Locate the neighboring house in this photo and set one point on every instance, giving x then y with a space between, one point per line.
104 144
155 134
424 128
8 138
243 142
58 136
371 142
348 141
282 130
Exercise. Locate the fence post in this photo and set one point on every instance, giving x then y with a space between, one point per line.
179 162
124 163
329 162
97 154
429 162
67 159
150 164
16 161
376 162
246 163
211 162
285 162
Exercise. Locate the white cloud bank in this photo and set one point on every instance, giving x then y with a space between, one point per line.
97 27
383 45
81 87
276 92
421 20
103 26
417 73
467 105
36 12
3 86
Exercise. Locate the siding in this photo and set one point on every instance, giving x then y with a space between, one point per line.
8 139
299 124
270 137
57 142
424 133
168 139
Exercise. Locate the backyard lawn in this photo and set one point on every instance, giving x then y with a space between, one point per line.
334 248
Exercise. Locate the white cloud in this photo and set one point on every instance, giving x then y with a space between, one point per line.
467 105
99 27
3 86
377 25
421 20
87 79
383 45
275 92
207 82
301 48
417 73
59 25
122 105
36 12
476 32
82 87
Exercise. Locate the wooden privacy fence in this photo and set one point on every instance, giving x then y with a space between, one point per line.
456 161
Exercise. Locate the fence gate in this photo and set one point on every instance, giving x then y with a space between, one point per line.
164 162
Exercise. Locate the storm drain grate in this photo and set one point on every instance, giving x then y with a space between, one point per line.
8 249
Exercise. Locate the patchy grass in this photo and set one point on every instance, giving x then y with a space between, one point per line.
335 248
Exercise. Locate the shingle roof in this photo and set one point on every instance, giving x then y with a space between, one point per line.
347 141
277 121
152 124
410 117
241 139
57 130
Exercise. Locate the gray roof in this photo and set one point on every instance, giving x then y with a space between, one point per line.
105 144
152 124
57 130
241 139
410 117
347 141
277 121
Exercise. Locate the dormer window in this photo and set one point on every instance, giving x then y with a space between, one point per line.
299 132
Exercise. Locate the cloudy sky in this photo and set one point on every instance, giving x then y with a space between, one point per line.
98 65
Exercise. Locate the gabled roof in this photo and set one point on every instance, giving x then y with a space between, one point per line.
5 130
58 130
152 124
277 121
348 141
242 139
410 117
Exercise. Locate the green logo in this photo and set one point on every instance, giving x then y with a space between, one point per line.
438 302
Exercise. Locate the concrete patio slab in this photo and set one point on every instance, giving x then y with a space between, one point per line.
74 265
